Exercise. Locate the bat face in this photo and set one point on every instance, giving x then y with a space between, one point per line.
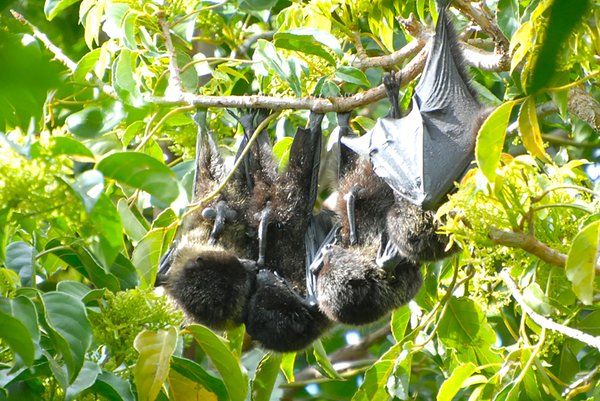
211 285
279 318
353 289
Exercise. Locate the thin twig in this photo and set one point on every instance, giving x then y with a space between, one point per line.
592 341
174 73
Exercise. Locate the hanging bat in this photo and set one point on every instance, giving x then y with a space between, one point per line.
362 276
210 270
282 314
422 154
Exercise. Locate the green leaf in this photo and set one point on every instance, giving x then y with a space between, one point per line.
20 259
69 329
152 366
256 5
465 325
146 254
373 387
352 75
591 323
89 186
63 145
125 271
79 290
287 365
399 322
309 41
131 224
233 373
93 121
194 371
530 129
537 300
123 72
129 29
490 140
15 334
53 7
113 387
581 261
455 381
281 151
183 389
85 65
141 171
508 16
265 377
323 361
85 379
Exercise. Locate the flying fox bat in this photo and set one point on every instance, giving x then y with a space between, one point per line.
282 313
210 270
360 274
421 154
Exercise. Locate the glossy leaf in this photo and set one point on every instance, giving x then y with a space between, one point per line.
465 325
183 389
15 334
265 377
93 121
131 224
195 372
530 129
124 82
582 260
309 41
20 258
455 381
141 171
89 186
63 145
69 329
323 361
54 7
113 387
490 140
352 75
85 379
399 322
152 367
233 373
146 254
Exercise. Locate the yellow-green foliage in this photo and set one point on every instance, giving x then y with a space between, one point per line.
553 204
124 314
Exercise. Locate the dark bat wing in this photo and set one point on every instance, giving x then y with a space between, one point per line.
305 159
422 154
208 168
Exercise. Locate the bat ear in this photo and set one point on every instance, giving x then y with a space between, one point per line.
360 145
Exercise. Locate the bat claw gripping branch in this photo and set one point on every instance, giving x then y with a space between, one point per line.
221 213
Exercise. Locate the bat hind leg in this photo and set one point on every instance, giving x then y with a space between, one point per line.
391 82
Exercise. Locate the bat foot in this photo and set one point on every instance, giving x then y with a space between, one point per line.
391 82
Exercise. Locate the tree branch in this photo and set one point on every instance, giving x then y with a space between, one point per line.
175 87
482 18
528 243
592 341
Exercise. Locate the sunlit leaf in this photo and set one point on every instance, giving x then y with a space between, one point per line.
15 334
53 7
141 171
455 381
490 140
69 329
582 260
152 367
530 129
233 373
266 374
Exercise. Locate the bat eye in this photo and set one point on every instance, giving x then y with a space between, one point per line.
199 260
279 225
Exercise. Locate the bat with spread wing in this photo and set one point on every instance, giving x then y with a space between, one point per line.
422 154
